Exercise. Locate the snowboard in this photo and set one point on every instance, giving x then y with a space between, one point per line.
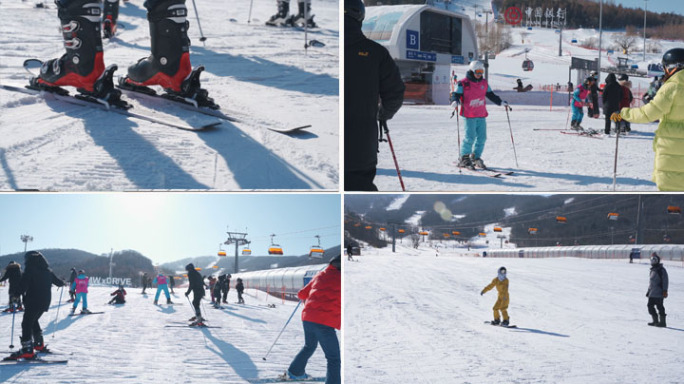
504 326
279 380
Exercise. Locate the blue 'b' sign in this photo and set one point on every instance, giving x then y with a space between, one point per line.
412 39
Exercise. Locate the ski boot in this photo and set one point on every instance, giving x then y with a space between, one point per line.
662 323
110 14
168 301
496 322
505 323
199 322
465 162
287 376
83 63
25 353
304 17
655 321
85 311
39 345
155 302
73 310
478 163
169 64
279 19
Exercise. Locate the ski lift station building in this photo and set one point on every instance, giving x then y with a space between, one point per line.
674 252
425 41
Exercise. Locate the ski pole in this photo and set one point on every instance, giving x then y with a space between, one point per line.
383 124
306 29
249 19
202 38
617 137
507 107
61 291
281 331
14 313
458 133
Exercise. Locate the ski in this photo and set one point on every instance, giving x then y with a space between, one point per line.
45 352
503 326
32 361
83 314
189 326
289 130
584 134
280 380
100 104
483 172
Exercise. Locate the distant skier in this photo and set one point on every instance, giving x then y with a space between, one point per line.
350 252
72 277
652 90
612 95
520 88
172 283
470 94
80 286
320 317
225 288
216 291
657 291
501 305
212 284
370 76
626 102
240 288
12 273
580 98
162 285
196 286
119 296
593 110
668 107
35 286
300 19
143 281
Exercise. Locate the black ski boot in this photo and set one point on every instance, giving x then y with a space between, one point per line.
465 162
478 163
655 320
38 344
169 64
505 323
110 14
496 322
279 19
83 63
662 323
25 353
304 17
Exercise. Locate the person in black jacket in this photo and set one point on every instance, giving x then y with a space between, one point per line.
612 94
225 287
196 286
13 274
36 283
72 278
239 287
657 291
172 283
594 110
370 74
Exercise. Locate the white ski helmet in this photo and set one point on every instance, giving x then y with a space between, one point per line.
476 65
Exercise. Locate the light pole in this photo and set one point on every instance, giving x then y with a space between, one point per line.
598 70
25 239
111 255
645 6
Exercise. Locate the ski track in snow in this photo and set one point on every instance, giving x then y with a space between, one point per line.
411 317
259 73
130 343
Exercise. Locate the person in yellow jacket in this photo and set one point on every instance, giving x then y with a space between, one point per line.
501 305
668 107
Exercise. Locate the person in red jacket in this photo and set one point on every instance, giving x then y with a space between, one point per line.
320 317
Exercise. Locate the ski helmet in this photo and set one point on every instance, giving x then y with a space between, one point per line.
476 66
502 270
655 259
673 60
355 9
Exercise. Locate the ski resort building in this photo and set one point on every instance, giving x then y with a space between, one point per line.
425 41
674 252
285 282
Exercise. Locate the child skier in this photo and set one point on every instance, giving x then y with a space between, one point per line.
303 17
240 288
657 291
216 291
162 285
13 274
471 93
80 286
501 305
119 296
35 285
580 98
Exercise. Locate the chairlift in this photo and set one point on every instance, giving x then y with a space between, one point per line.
446 235
246 251
527 65
455 233
561 219
357 224
221 252
674 210
402 231
498 229
532 231
215 266
369 227
423 233
383 229
482 234
613 216
316 251
667 238
274 249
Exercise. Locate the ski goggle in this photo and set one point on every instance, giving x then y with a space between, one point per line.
479 72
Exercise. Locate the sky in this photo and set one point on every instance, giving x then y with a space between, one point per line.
676 6
167 226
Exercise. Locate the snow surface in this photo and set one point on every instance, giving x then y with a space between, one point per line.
426 141
130 343
262 74
411 317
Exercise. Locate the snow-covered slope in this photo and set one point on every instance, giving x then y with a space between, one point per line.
411 317
262 74
130 343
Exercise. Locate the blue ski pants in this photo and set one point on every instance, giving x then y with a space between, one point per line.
84 296
577 113
313 335
160 288
475 136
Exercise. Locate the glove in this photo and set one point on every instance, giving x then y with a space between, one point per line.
664 294
615 117
482 293
187 294
452 97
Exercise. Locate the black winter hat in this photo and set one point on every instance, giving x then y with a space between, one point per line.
623 77
189 267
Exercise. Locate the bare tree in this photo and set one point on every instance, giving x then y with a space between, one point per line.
627 40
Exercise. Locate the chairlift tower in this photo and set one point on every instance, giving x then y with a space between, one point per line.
237 238
25 239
